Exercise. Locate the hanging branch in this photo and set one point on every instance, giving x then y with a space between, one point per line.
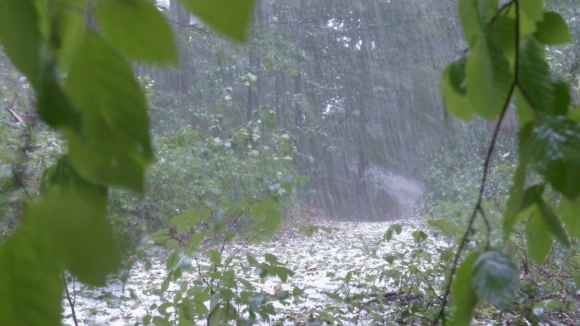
478 209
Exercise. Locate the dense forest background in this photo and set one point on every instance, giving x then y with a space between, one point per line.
350 89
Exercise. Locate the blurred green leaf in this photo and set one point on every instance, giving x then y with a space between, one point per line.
552 29
138 29
533 9
488 79
555 146
462 292
54 107
188 219
20 36
229 17
539 238
553 222
419 236
534 75
30 285
495 278
215 257
474 16
76 213
113 110
172 260
67 29
453 90
570 214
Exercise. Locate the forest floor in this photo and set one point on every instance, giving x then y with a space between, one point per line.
320 264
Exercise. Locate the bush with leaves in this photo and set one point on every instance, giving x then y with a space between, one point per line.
194 171
506 59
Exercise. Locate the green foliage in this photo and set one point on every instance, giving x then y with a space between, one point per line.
138 29
495 278
195 171
87 90
463 293
230 17
495 71
220 273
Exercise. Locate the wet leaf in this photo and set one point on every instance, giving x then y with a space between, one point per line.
453 90
495 278
21 37
555 145
138 29
462 292
570 214
534 75
229 17
539 238
553 222
488 79
113 110
474 16
516 194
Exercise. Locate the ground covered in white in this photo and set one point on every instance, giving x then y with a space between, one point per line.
320 264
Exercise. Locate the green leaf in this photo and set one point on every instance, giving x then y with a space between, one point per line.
172 260
395 228
283 273
30 285
533 9
552 29
539 238
21 36
534 75
229 17
190 218
502 35
532 195
215 257
488 79
516 194
562 97
474 16
453 90
524 110
570 214
419 236
138 29
555 145
271 258
75 212
308 230
67 20
252 260
553 223
463 295
113 110
54 107
495 278
197 238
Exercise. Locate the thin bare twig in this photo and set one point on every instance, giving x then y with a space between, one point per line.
70 301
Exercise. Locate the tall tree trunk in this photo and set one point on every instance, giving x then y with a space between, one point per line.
253 103
180 17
